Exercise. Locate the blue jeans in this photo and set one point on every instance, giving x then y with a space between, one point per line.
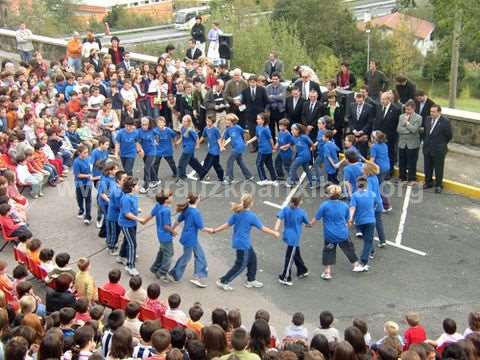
149 174
75 63
297 163
129 247
188 159
379 227
282 163
162 262
128 164
25 56
245 259
200 266
381 177
367 230
113 231
237 157
317 168
265 159
84 200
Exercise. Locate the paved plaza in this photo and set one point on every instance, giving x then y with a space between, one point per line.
442 283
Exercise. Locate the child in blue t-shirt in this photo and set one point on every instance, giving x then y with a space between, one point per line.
146 140
82 171
349 145
98 154
213 137
242 221
235 133
126 146
128 219
165 138
303 156
351 172
319 145
189 141
293 219
113 211
103 192
165 234
192 223
265 150
284 147
379 155
330 159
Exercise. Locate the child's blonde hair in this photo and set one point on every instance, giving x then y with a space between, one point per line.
413 318
370 168
232 118
391 328
245 202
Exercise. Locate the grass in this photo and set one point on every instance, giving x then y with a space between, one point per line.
468 104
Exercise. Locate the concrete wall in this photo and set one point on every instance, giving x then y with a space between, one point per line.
466 125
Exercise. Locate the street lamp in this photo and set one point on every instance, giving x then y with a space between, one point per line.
367 19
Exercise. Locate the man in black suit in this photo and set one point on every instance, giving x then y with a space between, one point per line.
294 106
305 85
437 135
192 53
386 121
126 64
423 104
360 122
255 100
313 109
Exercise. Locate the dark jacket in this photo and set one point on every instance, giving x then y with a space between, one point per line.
406 92
364 122
55 300
254 106
294 115
197 53
437 141
122 52
313 86
198 32
352 81
387 123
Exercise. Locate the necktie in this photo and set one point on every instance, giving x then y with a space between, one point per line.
422 104
304 90
312 105
384 111
274 90
294 103
253 93
434 123
359 111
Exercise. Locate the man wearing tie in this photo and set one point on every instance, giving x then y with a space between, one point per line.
255 100
360 122
126 64
305 85
193 53
294 106
313 109
276 94
423 104
437 135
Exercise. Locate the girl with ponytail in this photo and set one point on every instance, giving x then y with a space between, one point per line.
192 223
84 344
242 221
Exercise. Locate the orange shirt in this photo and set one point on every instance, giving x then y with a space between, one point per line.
74 48
34 256
196 326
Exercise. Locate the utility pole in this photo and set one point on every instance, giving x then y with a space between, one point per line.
457 33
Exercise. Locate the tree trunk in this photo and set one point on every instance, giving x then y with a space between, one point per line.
457 33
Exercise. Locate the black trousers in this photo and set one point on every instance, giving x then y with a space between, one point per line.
329 256
293 256
275 117
170 162
22 231
84 200
431 163
212 160
392 152
407 164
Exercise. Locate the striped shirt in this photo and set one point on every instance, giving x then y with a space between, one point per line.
142 351
106 342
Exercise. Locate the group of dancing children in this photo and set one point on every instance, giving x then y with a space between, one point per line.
118 209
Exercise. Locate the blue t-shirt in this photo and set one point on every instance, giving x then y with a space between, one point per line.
303 144
146 139
104 187
114 204
264 139
284 138
335 216
330 150
84 167
128 204
380 153
96 156
164 141
320 144
213 135
293 221
364 202
353 149
162 216
351 172
127 141
189 140
374 186
235 133
192 223
242 223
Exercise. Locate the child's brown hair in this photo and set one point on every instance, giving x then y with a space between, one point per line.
83 264
412 318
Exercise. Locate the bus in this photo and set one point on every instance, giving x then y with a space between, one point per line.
185 18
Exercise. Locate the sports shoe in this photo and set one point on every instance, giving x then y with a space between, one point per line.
273 182
251 178
132 271
253 284
372 255
366 268
304 275
206 182
262 182
326 276
143 190
376 238
226 182
99 223
155 184
199 283
87 222
41 194
112 252
284 282
359 234
358 268
80 216
164 278
381 245
121 260
223 286
171 278
388 209
289 185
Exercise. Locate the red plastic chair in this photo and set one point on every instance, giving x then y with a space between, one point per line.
123 302
7 239
147 314
273 343
108 299
37 271
20 256
169 324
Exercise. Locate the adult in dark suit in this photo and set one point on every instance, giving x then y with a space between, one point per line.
294 106
406 89
184 103
255 100
437 135
360 122
192 53
313 109
423 104
337 114
126 64
305 84
386 121
129 113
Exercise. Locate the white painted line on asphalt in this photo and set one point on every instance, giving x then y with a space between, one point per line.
269 203
403 216
294 190
407 248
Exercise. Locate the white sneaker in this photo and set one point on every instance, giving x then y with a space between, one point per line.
262 182
41 194
192 177
358 268
273 183
289 185
199 283
121 260
143 190
285 282
251 178
80 216
376 238
165 279
326 276
206 182
132 271
112 252
359 234
171 278
223 286
155 184
86 222
253 284
226 182
99 224
366 268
